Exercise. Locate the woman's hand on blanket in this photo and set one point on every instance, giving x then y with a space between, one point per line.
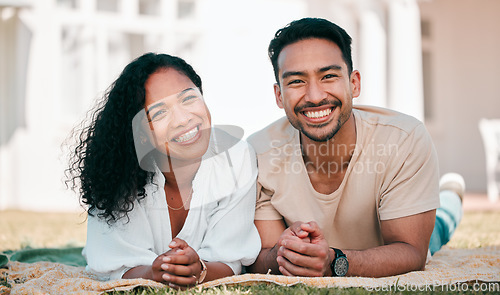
297 257
181 265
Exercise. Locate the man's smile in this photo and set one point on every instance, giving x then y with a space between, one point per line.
318 113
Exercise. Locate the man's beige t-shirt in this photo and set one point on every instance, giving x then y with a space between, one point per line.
393 173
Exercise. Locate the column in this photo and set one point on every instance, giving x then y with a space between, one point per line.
372 57
405 58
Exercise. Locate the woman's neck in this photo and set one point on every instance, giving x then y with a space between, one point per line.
180 173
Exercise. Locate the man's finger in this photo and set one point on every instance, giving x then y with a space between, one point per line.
285 272
297 230
312 228
291 269
307 249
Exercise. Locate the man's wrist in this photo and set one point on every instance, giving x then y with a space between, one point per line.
330 258
340 265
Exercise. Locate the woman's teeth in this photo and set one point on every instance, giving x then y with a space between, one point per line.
318 114
188 135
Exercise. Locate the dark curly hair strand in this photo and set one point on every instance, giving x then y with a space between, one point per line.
103 167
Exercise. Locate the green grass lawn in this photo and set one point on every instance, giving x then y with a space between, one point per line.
19 229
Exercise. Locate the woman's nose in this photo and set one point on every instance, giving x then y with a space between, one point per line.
180 116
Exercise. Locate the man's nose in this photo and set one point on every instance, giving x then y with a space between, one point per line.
315 92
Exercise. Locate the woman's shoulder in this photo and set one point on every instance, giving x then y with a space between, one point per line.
227 141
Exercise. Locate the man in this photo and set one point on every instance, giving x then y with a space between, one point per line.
357 187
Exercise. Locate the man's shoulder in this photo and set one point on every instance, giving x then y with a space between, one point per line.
386 118
275 135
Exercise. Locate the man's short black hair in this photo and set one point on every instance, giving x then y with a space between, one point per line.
308 28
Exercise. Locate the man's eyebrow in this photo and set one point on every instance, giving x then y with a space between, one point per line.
323 69
332 67
292 73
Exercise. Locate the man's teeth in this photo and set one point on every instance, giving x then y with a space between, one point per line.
188 135
318 114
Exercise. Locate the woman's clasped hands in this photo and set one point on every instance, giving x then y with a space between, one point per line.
179 267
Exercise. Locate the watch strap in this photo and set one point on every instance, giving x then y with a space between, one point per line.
338 254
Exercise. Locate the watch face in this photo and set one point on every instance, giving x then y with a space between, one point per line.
341 266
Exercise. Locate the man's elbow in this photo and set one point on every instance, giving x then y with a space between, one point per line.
420 259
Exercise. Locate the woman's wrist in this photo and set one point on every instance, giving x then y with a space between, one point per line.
203 272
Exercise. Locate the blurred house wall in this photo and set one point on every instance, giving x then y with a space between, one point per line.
462 50
63 54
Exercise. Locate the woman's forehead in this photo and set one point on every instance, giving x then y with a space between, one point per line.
165 83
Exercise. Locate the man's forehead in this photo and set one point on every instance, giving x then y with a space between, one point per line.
310 54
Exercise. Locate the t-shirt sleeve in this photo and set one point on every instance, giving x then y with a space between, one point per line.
411 183
111 250
264 209
233 238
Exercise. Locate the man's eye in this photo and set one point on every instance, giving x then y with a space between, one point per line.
329 76
294 82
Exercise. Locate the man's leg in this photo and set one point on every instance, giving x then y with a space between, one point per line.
448 216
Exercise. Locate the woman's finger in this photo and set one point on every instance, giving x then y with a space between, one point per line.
178 270
180 280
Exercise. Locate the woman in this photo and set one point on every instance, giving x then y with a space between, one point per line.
169 198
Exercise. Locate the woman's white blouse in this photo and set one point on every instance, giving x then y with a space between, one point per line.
219 225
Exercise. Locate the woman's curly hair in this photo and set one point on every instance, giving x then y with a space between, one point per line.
104 167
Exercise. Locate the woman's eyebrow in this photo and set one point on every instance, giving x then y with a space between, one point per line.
184 91
154 106
179 95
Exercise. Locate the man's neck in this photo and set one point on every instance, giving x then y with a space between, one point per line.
338 149
327 162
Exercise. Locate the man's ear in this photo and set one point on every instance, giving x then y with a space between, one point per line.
355 83
277 94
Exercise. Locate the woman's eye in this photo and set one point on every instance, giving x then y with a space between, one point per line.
189 98
158 115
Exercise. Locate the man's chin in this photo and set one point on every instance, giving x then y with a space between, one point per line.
317 138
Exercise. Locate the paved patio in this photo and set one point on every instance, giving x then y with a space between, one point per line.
479 202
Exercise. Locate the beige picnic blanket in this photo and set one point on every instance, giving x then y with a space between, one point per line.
449 268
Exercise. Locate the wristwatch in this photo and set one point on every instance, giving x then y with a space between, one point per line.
339 265
203 272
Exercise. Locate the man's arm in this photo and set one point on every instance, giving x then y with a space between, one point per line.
270 232
406 242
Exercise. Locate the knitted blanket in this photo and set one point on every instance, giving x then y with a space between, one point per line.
448 270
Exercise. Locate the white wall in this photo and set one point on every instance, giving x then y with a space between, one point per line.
226 41
465 46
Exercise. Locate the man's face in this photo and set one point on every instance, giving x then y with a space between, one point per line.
315 88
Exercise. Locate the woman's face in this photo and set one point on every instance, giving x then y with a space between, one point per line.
177 115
